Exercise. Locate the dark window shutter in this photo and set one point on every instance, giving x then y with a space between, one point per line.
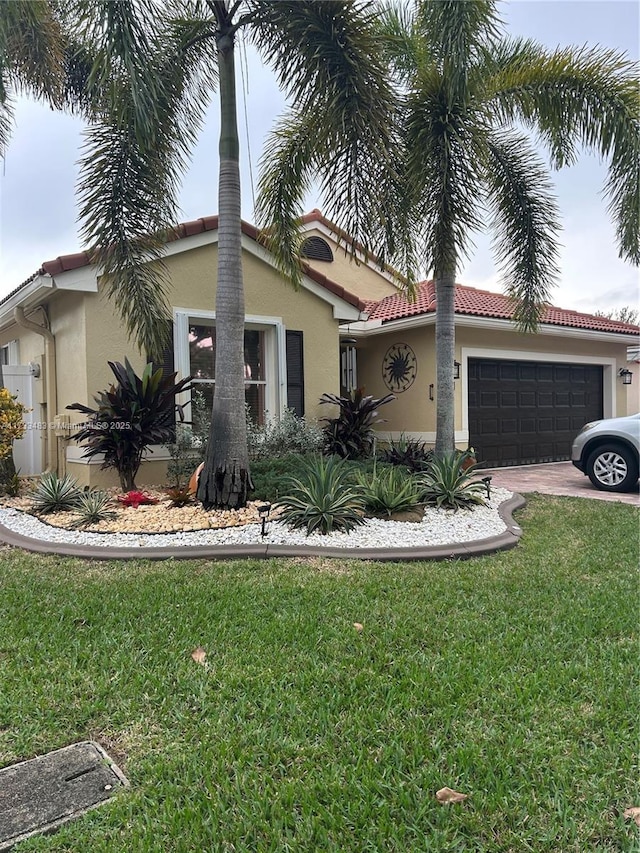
167 360
295 373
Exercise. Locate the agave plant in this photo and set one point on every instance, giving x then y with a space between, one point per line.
446 484
321 499
350 435
92 507
137 412
55 494
388 490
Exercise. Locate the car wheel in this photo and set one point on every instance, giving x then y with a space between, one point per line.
613 468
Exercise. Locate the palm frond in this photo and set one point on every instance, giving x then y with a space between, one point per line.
525 223
579 98
134 156
31 57
457 33
327 57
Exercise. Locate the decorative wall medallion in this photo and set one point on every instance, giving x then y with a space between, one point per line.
399 367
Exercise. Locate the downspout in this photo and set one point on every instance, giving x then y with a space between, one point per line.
51 391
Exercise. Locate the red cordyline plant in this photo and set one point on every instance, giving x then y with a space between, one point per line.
136 498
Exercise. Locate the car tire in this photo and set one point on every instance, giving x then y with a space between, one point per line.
613 468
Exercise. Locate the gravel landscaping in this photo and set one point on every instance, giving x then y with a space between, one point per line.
146 527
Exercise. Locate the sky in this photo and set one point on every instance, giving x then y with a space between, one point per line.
38 213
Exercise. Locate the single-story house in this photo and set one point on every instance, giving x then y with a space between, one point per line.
519 398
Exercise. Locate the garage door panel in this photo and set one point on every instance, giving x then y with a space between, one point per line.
526 412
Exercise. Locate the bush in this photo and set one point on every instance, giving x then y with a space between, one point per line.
409 453
55 494
388 490
271 477
445 484
185 457
131 416
321 499
283 436
180 495
12 426
350 435
135 499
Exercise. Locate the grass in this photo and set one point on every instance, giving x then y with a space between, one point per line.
512 678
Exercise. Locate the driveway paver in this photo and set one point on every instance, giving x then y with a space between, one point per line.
555 478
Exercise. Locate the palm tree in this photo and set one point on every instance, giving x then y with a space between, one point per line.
157 66
468 98
33 62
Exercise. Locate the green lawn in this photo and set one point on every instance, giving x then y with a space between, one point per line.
512 678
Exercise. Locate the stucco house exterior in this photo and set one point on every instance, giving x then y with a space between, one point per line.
519 398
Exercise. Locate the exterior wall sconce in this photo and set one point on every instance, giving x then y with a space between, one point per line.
456 370
626 375
263 513
431 391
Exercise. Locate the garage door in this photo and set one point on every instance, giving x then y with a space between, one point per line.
521 412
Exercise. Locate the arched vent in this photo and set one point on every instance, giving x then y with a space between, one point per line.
317 249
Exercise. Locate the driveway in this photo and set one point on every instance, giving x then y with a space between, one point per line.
555 478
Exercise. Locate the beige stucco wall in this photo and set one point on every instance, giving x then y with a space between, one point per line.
359 278
193 283
194 277
414 413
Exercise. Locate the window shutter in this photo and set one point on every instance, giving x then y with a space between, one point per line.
295 373
167 361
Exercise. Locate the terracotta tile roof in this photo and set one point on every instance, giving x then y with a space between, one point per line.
483 303
63 263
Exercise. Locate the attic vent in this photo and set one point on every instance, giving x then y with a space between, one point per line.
317 249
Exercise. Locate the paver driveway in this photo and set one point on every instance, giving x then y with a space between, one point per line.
555 478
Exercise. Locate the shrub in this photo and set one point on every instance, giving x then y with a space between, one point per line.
136 498
12 426
185 456
321 499
131 416
388 490
445 484
409 453
350 434
271 477
282 436
55 494
92 507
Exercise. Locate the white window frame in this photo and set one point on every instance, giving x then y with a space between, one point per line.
274 354
11 353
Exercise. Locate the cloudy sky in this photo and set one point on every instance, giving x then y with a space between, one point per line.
38 211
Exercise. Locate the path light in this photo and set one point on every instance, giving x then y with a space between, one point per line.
263 512
626 375
487 484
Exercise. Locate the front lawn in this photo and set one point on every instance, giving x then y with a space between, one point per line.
512 678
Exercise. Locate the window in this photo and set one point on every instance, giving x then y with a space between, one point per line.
4 355
202 365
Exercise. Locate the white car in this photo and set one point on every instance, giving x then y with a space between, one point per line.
608 453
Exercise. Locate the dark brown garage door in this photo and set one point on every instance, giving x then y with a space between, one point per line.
523 412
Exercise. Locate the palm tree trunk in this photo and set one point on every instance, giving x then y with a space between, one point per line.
225 479
445 281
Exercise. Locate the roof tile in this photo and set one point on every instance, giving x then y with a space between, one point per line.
483 303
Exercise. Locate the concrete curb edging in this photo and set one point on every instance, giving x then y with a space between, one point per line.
461 550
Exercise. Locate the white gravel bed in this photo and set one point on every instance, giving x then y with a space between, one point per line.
438 527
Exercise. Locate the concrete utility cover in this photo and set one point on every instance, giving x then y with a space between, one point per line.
41 794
